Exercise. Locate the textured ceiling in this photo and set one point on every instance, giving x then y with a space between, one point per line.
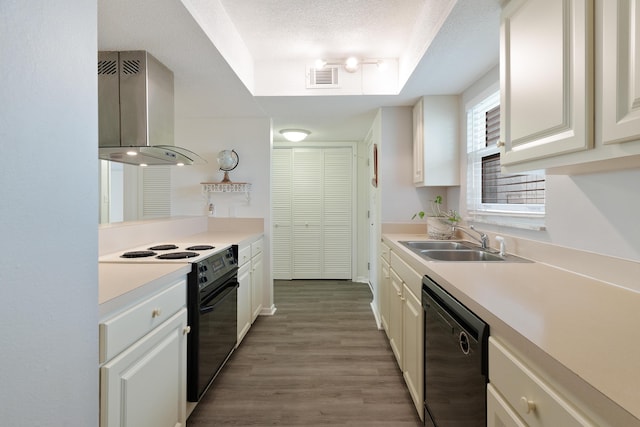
292 29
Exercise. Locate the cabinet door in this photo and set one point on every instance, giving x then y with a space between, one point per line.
257 279
435 141
499 414
244 301
384 294
546 78
620 71
145 386
413 341
395 317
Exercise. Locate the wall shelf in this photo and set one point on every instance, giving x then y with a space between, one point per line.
226 187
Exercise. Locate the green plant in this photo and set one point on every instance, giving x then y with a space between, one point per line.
436 210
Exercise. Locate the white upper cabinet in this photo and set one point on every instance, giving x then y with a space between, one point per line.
435 141
546 79
620 71
570 86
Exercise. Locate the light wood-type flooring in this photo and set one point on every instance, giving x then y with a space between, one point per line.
319 361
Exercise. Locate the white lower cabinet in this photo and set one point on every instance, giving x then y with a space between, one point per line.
250 279
257 278
395 316
413 347
499 413
516 396
406 326
384 293
144 384
244 301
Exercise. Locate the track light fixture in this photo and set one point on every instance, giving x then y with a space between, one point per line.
351 64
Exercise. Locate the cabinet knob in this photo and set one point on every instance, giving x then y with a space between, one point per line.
155 313
527 405
399 294
186 330
500 144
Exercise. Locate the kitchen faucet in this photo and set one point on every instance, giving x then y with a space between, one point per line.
483 240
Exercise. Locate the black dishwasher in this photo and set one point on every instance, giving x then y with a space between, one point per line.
455 361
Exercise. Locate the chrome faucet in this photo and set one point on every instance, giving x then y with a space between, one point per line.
483 240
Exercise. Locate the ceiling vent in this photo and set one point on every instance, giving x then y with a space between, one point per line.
326 77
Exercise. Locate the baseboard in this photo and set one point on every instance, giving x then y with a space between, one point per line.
376 315
269 311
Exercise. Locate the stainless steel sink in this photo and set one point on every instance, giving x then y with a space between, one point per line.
430 244
457 251
461 255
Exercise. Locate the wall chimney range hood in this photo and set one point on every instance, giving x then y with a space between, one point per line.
135 111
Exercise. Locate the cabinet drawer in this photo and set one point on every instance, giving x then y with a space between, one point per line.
122 330
408 275
256 247
244 254
526 391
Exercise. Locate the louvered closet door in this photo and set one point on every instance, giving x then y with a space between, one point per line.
281 212
307 213
337 213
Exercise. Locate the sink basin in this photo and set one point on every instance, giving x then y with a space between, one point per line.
428 245
461 255
448 250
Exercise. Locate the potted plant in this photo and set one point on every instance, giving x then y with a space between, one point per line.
440 223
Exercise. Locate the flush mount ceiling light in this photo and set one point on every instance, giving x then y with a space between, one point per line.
294 135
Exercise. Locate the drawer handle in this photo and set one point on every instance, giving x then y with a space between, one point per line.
155 313
500 144
527 405
186 330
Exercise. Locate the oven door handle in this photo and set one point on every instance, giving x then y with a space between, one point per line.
205 308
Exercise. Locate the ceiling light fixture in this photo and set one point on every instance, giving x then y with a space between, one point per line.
294 135
351 64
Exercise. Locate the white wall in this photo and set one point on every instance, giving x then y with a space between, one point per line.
399 198
48 207
251 138
591 212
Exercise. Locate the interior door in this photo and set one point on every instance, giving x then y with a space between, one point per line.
313 210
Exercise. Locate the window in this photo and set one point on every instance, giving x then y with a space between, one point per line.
493 197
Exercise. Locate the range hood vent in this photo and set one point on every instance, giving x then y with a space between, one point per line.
135 109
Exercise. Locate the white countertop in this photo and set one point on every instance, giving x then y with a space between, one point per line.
122 284
588 326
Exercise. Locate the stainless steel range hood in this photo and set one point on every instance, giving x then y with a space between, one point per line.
135 109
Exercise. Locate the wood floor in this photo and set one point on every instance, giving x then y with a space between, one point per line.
319 361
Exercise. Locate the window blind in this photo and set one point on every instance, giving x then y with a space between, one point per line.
490 193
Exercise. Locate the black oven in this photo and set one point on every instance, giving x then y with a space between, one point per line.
212 306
